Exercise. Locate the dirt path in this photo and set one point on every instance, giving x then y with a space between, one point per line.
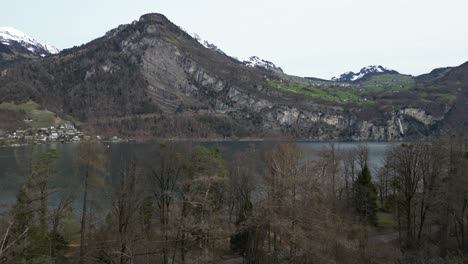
236 260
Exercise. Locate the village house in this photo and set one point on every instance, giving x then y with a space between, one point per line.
62 133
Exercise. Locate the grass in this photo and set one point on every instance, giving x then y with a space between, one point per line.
27 107
341 95
40 117
43 118
390 84
71 119
393 82
396 86
386 220
345 95
446 96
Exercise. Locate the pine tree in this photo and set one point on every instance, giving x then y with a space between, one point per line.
365 197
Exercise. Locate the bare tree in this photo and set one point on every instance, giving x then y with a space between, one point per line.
165 175
63 208
454 216
127 202
203 192
362 155
7 240
406 160
385 186
92 163
329 167
419 169
349 173
42 171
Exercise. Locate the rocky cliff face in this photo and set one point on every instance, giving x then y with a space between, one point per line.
151 79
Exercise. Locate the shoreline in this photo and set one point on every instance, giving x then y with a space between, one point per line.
214 140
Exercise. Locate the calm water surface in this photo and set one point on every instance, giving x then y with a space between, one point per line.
12 172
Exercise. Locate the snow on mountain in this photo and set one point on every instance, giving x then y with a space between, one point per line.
364 72
255 61
14 38
51 49
207 44
252 61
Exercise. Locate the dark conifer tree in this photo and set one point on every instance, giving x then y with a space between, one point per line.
365 197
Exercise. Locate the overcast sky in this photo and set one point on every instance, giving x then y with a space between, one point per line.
304 37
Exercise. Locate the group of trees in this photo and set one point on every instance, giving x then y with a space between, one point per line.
187 204
425 184
31 230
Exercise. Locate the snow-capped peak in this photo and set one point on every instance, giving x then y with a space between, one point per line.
255 61
51 49
8 35
366 71
252 61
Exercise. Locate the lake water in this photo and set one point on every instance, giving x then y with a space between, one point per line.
12 174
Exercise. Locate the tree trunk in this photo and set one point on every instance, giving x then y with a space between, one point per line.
409 226
83 218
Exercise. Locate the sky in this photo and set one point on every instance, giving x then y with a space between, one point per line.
305 37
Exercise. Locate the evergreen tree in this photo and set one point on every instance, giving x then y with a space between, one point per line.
365 197
23 212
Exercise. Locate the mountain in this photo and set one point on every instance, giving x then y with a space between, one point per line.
434 74
363 73
207 44
150 79
16 44
253 61
256 62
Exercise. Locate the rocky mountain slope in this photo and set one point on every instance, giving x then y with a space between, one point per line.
152 79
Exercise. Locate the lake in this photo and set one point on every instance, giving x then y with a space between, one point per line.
12 174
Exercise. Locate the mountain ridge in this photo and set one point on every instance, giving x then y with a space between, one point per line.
150 78
252 61
16 44
363 73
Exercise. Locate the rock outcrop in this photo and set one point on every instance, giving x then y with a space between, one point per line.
150 78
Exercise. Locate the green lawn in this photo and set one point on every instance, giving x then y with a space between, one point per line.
24 107
43 118
389 83
361 93
333 94
40 117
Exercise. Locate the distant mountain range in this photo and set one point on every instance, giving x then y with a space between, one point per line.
364 73
252 61
257 62
15 44
19 44
151 79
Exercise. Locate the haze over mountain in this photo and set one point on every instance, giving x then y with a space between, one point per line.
152 79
